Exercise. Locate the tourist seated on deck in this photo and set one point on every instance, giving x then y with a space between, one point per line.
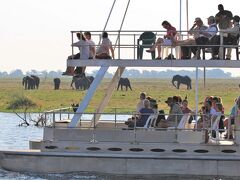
187 46
104 48
232 118
168 40
186 110
218 127
140 105
83 46
206 36
143 115
153 104
175 112
178 100
205 115
216 100
92 49
230 37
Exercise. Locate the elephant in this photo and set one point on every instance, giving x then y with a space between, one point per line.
56 82
82 82
124 82
37 80
181 80
30 82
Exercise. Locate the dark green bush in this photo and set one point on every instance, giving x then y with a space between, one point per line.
21 103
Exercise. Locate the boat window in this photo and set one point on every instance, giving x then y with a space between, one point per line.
201 151
157 150
179 150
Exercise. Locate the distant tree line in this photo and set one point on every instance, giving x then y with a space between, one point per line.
130 73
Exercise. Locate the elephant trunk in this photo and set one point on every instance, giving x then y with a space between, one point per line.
173 80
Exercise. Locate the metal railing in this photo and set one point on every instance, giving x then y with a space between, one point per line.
116 121
127 45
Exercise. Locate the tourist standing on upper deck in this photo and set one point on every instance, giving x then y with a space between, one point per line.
104 48
229 38
92 45
223 19
83 46
168 40
206 35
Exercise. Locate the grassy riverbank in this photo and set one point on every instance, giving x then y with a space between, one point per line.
125 101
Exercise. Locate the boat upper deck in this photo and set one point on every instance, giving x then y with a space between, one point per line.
155 63
130 51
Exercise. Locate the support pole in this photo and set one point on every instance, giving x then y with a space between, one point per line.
125 13
204 77
196 98
84 103
180 20
108 93
109 15
116 76
187 17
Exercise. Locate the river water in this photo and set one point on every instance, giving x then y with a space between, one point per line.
13 136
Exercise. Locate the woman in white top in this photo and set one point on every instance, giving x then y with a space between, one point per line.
105 46
83 46
92 45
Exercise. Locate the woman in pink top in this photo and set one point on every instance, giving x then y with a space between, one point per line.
168 39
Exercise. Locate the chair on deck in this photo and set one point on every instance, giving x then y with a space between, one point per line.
183 121
146 40
214 129
233 44
165 49
151 121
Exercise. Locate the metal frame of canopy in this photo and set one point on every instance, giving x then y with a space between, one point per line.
119 72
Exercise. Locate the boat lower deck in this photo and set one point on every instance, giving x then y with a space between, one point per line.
128 159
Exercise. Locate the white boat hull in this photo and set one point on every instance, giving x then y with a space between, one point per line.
125 164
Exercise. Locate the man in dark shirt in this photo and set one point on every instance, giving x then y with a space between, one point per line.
223 17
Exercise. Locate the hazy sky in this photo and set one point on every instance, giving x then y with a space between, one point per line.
35 34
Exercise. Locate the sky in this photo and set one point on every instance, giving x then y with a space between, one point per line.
35 34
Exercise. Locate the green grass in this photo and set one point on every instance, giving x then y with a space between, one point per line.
46 98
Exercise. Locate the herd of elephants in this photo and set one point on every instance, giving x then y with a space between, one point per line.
84 82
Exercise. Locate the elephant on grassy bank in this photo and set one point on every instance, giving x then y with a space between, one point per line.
124 82
37 80
56 82
81 82
182 80
30 82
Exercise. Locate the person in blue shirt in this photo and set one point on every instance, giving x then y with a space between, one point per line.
232 118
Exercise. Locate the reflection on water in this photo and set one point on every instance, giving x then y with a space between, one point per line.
14 137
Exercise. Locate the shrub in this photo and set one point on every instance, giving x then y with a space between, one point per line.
21 103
